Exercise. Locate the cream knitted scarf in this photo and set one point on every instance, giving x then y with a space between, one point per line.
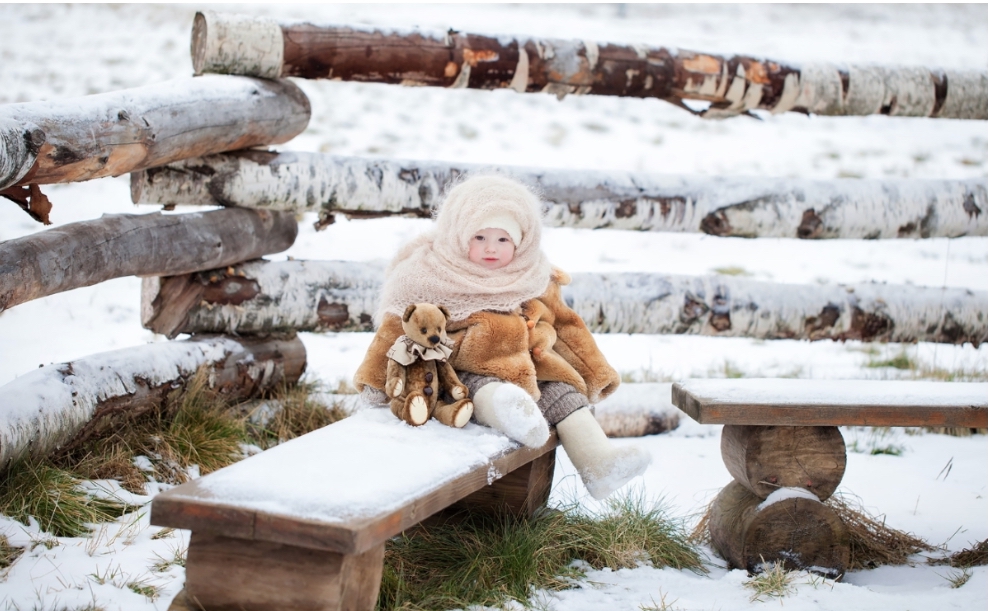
434 268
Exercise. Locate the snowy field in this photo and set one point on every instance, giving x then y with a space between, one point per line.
51 51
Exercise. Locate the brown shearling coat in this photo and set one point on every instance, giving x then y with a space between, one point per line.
543 341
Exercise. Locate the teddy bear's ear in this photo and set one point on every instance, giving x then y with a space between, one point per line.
444 311
408 313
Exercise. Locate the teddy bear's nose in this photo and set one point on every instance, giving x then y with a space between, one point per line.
434 339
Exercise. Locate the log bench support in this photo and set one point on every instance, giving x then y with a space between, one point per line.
799 530
781 444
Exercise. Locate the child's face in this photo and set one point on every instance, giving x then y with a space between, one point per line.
491 248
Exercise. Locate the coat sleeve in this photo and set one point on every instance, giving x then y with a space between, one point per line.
576 344
373 370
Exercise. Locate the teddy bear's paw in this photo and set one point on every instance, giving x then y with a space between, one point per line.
418 410
398 387
463 415
460 392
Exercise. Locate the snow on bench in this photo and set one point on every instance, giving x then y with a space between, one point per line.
775 402
303 525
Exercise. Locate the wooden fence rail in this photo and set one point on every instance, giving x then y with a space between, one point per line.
741 207
89 252
262 297
734 85
109 134
56 405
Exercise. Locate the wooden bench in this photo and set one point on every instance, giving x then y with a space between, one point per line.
303 525
782 446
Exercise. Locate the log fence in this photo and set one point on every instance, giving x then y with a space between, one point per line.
202 276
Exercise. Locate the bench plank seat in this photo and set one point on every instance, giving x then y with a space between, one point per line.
347 487
783 402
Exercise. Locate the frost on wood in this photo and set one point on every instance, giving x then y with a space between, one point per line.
733 84
48 407
314 296
117 245
114 133
741 207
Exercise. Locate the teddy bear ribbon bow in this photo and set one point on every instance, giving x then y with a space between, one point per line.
406 351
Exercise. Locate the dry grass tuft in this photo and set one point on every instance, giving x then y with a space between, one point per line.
872 542
475 558
966 558
290 412
53 497
774 581
8 553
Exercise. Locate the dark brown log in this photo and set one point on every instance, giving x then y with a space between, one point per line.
114 133
733 84
60 406
258 297
766 458
521 492
223 573
89 252
777 402
722 206
799 532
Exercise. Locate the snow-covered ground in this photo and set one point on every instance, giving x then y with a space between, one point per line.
53 51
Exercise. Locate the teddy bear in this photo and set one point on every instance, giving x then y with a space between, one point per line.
419 370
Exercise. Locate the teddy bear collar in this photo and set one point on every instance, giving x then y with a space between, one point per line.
406 351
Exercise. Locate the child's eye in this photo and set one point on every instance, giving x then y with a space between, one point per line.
502 239
479 238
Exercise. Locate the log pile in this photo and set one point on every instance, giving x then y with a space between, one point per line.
734 85
773 510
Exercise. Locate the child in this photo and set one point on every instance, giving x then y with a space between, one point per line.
527 358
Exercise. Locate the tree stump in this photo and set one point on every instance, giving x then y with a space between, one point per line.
766 458
797 530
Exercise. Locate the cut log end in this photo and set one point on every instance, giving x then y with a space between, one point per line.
766 458
799 532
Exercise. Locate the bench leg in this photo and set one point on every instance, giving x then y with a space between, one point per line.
223 573
521 492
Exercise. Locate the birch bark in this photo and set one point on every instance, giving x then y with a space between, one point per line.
262 296
740 207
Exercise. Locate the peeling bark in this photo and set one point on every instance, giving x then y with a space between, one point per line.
733 84
341 296
739 207
110 134
59 404
89 252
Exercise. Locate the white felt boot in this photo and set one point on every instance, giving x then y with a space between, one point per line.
602 466
509 409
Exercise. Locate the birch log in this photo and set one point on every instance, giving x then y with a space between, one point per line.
52 406
739 207
261 296
117 245
733 84
109 134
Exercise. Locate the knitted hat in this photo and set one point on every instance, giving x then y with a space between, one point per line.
505 222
